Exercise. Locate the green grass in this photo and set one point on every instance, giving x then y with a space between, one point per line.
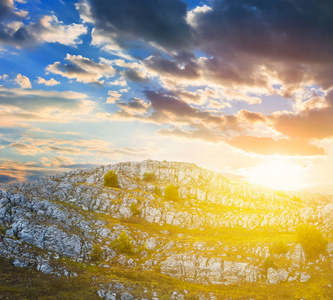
21 283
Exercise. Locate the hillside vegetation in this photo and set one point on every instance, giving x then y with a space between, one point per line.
162 230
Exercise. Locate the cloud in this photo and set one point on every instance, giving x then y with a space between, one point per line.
133 106
193 14
23 81
13 171
315 121
293 133
269 146
154 21
291 39
42 106
164 108
17 30
251 117
50 82
6 179
57 161
201 133
113 97
184 66
248 44
25 149
107 42
85 11
82 69
49 29
135 76
238 82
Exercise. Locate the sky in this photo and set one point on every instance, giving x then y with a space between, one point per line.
236 86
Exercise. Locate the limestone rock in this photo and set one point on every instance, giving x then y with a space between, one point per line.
276 276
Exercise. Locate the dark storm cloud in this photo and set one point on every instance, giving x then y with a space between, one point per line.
291 38
5 9
166 103
6 178
298 30
159 21
135 76
180 67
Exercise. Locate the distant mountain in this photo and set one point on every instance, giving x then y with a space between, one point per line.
170 230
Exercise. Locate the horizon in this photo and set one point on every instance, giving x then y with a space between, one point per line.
237 87
314 190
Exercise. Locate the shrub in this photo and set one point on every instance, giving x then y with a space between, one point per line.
279 248
268 263
149 177
96 253
110 179
171 192
281 194
135 209
190 197
123 243
312 240
157 191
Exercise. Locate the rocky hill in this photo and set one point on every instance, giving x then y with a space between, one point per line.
70 237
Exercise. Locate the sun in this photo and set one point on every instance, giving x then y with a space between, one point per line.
278 173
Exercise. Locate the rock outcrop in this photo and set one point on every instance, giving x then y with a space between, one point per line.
51 220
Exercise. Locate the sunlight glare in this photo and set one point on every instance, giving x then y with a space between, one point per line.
278 173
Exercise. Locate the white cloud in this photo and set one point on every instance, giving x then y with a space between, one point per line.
192 14
107 42
23 81
113 97
51 30
82 69
50 82
85 11
18 104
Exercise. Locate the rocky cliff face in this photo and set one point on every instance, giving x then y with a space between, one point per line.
219 232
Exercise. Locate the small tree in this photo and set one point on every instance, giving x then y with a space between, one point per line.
171 192
312 240
157 191
96 253
123 243
149 177
268 263
110 179
135 209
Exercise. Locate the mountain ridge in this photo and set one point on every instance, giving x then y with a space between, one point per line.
221 231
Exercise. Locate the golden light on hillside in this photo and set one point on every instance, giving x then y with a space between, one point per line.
278 173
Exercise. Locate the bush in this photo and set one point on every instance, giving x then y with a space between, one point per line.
312 240
110 179
149 177
135 209
157 191
123 244
171 192
96 253
268 263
